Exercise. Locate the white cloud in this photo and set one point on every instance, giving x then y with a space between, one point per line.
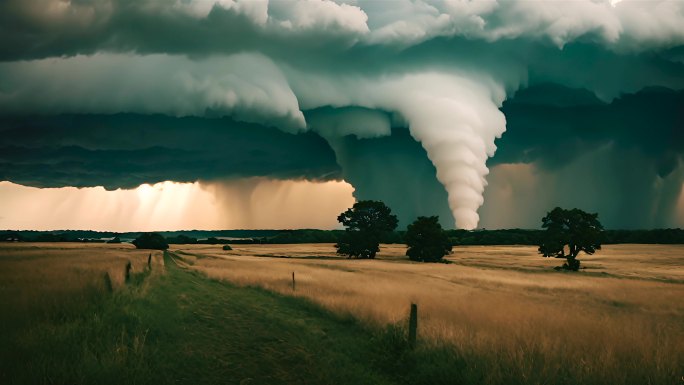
630 25
321 15
249 87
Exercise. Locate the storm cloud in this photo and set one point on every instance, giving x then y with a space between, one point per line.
126 150
410 102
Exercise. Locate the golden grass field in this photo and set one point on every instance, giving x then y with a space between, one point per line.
623 314
46 277
501 307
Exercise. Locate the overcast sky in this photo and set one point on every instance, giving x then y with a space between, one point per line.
278 114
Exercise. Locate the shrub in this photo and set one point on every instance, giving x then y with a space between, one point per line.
154 241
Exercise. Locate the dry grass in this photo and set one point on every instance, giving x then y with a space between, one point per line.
61 323
501 310
48 279
619 321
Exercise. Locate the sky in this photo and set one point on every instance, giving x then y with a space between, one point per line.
163 115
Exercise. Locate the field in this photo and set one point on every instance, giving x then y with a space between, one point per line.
494 315
45 278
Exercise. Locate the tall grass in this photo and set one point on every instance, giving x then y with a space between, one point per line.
57 311
495 315
504 322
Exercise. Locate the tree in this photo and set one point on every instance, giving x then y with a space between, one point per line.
568 232
366 223
154 241
426 240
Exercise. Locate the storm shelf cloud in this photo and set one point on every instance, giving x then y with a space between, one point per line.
487 113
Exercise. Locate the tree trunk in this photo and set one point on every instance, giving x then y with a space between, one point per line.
572 264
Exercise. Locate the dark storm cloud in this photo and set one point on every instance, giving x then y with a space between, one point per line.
442 69
373 164
44 28
552 125
126 150
621 159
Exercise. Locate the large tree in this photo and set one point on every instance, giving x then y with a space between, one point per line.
568 232
426 240
366 223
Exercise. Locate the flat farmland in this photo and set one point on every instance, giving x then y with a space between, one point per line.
619 320
492 315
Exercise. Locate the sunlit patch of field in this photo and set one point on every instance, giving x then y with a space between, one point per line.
621 320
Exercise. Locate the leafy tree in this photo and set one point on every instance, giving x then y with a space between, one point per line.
568 232
426 240
366 223
154 241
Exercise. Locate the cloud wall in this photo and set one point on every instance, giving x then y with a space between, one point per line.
258 84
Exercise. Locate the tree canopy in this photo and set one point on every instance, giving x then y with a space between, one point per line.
366 223
154 241
569 232
426 240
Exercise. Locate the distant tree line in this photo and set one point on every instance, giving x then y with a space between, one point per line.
185 240
534 237
456 237
494 237
36 236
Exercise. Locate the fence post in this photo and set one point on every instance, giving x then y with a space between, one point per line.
127 275
293 281
108 283
413 325
149 262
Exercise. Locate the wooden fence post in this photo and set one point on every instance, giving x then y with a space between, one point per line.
127 275
413 325
108 283
149 262
293 281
